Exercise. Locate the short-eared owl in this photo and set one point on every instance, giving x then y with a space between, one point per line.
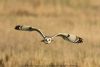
49 39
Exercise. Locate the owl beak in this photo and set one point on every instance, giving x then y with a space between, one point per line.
17 27
80 40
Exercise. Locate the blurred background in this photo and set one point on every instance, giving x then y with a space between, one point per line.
25 49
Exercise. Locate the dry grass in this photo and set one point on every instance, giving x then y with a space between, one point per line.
24 49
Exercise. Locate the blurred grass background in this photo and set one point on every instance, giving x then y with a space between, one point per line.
24 49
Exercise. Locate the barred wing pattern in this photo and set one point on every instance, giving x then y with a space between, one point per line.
69 37
28 28
49 39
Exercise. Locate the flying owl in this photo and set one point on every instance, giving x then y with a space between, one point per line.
49 39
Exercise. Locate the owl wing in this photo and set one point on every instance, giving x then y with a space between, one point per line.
28 28
69 37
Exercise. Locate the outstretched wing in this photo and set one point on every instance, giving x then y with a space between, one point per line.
28 28
70 37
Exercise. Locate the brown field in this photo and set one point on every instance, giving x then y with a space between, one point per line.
24 49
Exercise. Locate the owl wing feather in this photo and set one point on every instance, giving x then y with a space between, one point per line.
28 28
69 37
